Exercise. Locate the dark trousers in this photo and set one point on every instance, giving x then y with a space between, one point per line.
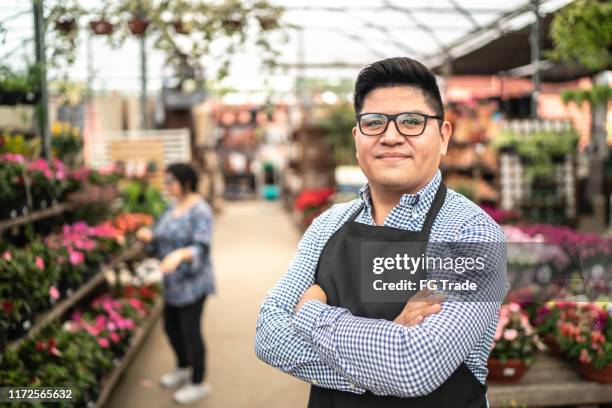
182 325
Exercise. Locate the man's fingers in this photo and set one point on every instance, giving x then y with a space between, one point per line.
415 321
423 312
422 294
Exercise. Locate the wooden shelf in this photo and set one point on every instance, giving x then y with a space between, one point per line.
549 382
35 216
63 306
135 342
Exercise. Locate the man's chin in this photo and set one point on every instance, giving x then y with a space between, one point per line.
399 184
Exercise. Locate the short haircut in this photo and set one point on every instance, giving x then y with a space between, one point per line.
398 71
185 175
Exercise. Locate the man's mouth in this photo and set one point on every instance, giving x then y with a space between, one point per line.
393 156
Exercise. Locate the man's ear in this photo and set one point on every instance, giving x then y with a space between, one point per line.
354 132
445 133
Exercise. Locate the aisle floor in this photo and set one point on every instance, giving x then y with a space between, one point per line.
253 244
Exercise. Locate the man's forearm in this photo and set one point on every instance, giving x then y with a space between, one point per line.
390 359
279 344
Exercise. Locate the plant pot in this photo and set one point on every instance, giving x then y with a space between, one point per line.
509 372
232 24
553 345
138 26
179 27
10 98
30 98
65 25
558 158
267 23
101 27
589 372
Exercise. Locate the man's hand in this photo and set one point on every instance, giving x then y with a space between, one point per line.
418 308
173 260
315 292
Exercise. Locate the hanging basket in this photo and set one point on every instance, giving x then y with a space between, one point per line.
267 23
179 27
138 26
589 372
508 372
233 24
101 27
65 25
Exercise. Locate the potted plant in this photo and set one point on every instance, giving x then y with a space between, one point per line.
514 345
66 143
546 322
181 27
138 25
232 23
585 331
310 203
12 187
65 16
101 26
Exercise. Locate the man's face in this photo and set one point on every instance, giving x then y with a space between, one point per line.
395 162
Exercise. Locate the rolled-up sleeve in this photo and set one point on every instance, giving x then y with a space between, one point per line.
277 340
201 234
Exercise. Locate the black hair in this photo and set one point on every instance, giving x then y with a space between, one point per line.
185 175
398 71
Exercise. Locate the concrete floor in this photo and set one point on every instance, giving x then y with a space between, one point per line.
253 244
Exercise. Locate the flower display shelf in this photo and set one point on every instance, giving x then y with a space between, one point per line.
61 307
35 216
108 384
549 382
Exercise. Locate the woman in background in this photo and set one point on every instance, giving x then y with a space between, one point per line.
181 238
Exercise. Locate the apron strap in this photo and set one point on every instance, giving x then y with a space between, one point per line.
436 205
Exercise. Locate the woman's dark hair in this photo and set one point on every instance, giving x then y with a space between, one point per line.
185 175
398 71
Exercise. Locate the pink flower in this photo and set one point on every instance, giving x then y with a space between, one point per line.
514 307
100 321
103 342
40 264
114 337
76 257
136 303
94 331
54 293
76 317
129 324
584 357
7 256
10 157
510 334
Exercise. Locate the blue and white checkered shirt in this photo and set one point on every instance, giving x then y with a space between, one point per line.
329 347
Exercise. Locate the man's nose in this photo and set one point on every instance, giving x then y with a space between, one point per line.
392 136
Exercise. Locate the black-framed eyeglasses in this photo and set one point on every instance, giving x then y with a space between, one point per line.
406 123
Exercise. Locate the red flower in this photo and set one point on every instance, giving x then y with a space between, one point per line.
313 198
7 305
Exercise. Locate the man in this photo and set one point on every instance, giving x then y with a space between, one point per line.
315 323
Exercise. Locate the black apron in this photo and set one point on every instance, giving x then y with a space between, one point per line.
338 273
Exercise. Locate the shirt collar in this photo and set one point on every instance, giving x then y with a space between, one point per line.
424 195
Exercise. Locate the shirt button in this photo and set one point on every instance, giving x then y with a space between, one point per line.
315 382
415 215
351 385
